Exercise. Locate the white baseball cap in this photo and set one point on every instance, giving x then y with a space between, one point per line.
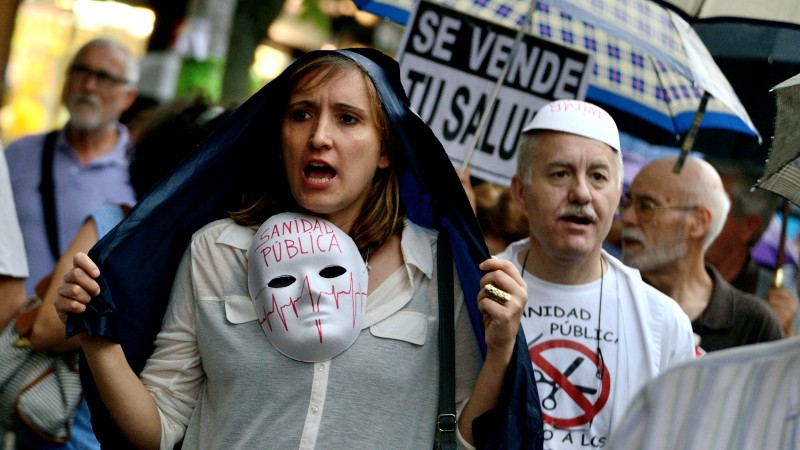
577 117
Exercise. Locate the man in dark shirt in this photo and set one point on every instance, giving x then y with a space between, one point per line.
669 220
751 212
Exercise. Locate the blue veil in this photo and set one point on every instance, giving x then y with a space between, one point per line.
139 258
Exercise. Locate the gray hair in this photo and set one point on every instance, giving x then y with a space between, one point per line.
525 150
131 63
709 192
718 202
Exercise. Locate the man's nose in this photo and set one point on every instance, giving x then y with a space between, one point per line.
579 191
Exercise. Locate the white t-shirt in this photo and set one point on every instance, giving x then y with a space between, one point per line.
13 261
568 327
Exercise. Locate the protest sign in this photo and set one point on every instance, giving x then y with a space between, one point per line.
449 64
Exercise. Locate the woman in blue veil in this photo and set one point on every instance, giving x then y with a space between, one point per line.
138 260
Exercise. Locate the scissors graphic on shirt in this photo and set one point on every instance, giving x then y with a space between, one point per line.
549 403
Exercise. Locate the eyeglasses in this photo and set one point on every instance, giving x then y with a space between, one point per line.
104 80
646 209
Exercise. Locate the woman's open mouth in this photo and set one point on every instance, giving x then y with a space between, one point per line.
319 173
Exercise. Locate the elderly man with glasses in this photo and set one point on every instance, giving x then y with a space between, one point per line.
88 165
596 331
668 222
60 178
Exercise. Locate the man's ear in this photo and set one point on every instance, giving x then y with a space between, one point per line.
130 97
518 192
700 222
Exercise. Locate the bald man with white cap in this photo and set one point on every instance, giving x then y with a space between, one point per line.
596 331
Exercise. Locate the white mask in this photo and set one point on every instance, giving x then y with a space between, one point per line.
309 285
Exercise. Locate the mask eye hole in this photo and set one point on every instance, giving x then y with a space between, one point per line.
281 281
332 271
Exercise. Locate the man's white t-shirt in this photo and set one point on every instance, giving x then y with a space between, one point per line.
579 343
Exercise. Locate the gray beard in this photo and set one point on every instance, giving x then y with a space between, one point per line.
657 256
85 124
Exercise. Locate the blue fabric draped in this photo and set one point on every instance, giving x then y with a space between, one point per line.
139 258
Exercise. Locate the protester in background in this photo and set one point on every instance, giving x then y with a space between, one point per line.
596 332
730 253
13 264
174 130
89 165
501 220
59 178
669 220
327 147
743 398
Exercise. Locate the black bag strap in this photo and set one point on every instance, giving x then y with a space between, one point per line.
446 421
47 191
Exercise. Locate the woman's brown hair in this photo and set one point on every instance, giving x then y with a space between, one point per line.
382 214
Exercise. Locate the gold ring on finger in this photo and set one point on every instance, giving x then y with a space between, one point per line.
497 294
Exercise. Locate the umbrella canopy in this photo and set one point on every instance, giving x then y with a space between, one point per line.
649 62
754 56
786 11
782 172
755 45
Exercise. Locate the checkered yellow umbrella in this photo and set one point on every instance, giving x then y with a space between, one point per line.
649 62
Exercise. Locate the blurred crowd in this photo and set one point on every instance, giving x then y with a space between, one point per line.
615 273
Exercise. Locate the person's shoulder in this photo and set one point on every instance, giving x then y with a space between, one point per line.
732 359
224 232
759 313
107 217
419 246
665 303
616 262
27 140
744 302
513 248
632 277
415 237
213 225
650 296
750 303
25 144
419 231
113 208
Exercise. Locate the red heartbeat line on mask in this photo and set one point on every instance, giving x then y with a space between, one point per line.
357 297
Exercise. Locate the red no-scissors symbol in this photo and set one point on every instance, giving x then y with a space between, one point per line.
560 381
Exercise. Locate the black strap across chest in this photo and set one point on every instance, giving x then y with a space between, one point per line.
446 422
47 190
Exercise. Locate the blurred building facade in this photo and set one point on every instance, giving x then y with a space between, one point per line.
224 49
